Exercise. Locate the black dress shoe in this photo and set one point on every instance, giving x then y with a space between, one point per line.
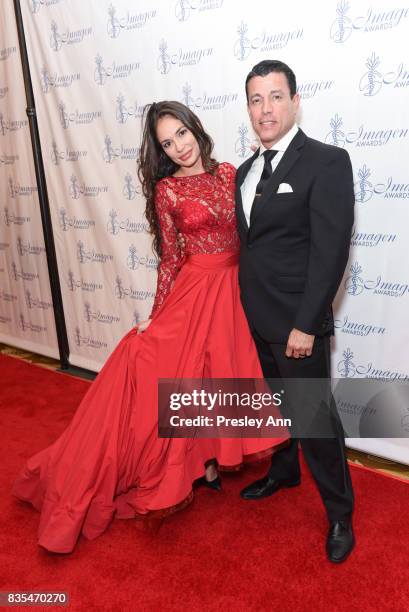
215 484
340 541
266 486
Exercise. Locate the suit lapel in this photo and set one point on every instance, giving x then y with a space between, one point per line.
240 176
288 160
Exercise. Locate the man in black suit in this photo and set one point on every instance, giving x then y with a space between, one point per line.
294 203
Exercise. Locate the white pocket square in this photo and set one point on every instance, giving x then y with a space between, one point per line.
284 188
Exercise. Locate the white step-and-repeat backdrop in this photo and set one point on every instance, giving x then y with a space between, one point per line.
95 64
26 309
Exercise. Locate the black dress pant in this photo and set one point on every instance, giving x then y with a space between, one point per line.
325 456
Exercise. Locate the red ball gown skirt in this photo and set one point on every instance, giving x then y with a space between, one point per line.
109 461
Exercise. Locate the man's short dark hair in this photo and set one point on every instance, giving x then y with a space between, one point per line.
266 66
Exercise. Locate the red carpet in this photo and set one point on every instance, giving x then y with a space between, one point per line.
221 553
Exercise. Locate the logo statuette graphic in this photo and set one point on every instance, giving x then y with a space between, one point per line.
35 6
363 187
100 73
113 223
242 46
243 143
342 27
120 292
113 27
354 283
130 22
55 37
373 20
183 8
109 153
336 136
372 80
346 366
129 190
164 61
64 222
81 340
265 41
187 98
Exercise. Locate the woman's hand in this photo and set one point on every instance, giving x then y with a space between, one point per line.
143 326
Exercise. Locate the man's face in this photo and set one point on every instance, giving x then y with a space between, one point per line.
272 110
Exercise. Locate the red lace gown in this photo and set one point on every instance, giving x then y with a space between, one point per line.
110 461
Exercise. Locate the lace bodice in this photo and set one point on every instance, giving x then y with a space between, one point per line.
201 207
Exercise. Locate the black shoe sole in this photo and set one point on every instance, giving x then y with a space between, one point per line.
214 485
292 484
345 557
287 485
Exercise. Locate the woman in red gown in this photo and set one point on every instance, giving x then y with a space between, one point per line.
110 461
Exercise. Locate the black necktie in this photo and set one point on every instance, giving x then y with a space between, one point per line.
265 176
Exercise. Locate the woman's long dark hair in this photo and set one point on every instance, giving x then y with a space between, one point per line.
154 164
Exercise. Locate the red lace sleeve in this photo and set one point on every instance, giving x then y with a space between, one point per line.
227 173
171 255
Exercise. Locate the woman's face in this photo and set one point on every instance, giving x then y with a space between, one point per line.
179 144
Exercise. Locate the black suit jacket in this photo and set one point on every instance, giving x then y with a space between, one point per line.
293 256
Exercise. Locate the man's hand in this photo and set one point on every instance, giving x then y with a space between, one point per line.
299 344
